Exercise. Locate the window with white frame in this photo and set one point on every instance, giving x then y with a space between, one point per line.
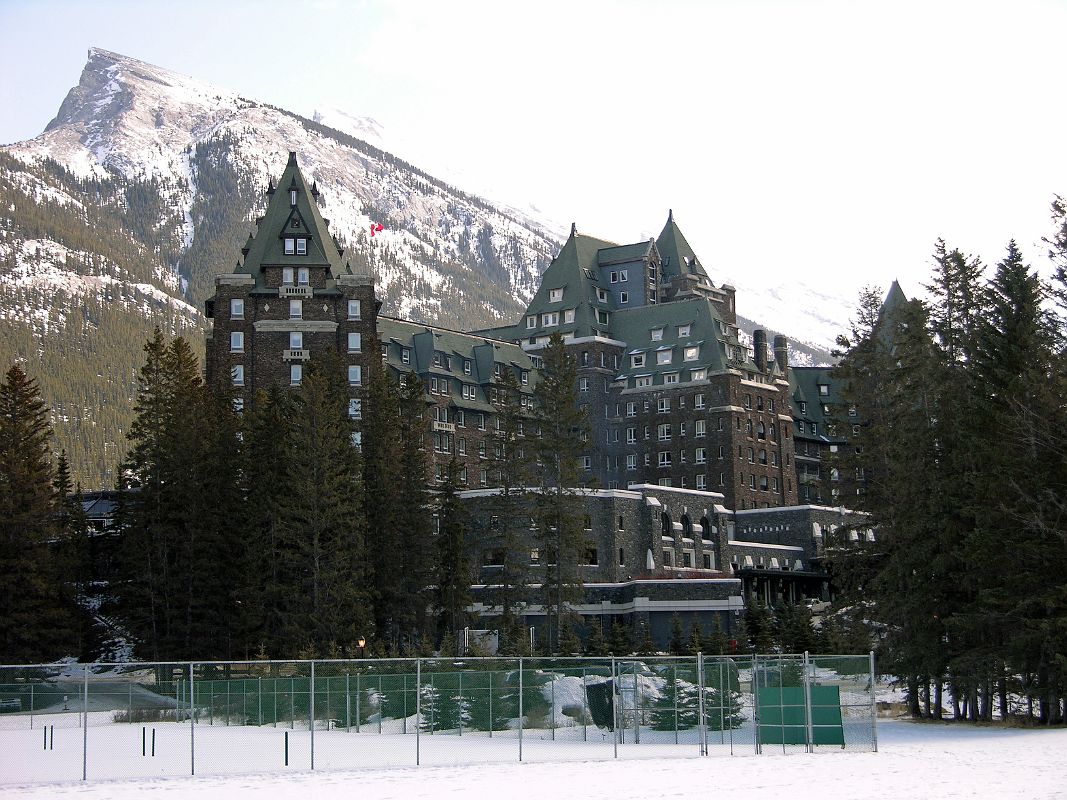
287 276
550 318
624 297
238 373
631 435
524 377
664 356
683 331
637 360
701 455
353 309
296 340
663 405
698 374
355 375
665 458
631 461
355 408
699 427
296 374
702 483
631 409
355 342
238 404
303 275
663 432
601 317
405 355
643 381
601 295
698 400
657 334
296 309
290 246
468 391
555 295
237 308
624 275
237 341
302 249
531 322
670 377
691 353
568 316
587 462
583 384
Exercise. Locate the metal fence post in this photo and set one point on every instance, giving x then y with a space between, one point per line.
348 705
311 713
701 719
85 726
874 706
418 708
614 708
755 698
192 725
520 708
637 715
808 722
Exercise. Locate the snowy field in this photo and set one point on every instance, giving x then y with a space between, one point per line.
915 760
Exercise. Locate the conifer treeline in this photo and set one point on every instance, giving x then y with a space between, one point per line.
960 459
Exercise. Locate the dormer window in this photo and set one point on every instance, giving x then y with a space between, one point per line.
555 295
301 247
292 197
683 331
657 334
601 295
290 246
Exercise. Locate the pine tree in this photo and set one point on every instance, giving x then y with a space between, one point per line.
561 428
760 627
676 646
595 643
452 565
621 642
37 621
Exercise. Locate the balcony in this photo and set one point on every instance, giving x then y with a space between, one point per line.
447 427
300 354
294 291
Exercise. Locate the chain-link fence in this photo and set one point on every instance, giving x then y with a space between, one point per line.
93 721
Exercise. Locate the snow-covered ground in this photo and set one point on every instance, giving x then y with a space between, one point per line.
915 760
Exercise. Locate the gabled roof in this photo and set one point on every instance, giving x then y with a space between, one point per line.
267 247
678 258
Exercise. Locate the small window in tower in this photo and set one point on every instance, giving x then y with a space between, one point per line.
292 197
354 342
355 375
301 247
296 374
296 340
353 309
238 373
296 309
290 245
237 341
303 275
237 308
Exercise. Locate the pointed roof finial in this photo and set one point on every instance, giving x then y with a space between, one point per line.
292 157
270 185
574 229
315 189
670 215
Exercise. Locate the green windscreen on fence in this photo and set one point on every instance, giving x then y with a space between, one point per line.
782 715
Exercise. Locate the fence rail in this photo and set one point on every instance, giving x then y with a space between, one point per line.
65 722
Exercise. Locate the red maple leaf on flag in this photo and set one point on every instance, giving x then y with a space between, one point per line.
375 227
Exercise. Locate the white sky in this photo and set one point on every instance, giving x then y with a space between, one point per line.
830 142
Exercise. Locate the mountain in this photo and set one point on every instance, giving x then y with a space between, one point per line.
145 186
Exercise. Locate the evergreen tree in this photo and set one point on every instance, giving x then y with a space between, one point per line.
452 565
37 620
561 429
760 627
414 512
569 643
595 643
511 461
322 522
676 646
621 642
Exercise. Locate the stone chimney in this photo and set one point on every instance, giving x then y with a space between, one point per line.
781 353
759 346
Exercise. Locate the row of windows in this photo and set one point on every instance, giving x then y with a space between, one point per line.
296 374
296 246
683 331
296 341
687 560
296 308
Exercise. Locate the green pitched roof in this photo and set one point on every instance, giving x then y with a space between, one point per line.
267 247
678 258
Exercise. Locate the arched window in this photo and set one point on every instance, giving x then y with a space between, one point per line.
687 526
668 528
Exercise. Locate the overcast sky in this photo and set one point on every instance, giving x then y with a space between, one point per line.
826 141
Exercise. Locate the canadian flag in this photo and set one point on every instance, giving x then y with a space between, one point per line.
375 227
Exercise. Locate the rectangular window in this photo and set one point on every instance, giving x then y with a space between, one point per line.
824 390
643 381
631 461
405 355
663 405
583 384
549 319
701 455
302 247
631 435
691 353
355 375
290 246
353 309
296 340
555 295
355 342
296 374
699 427
355 408
683 331
524 377
664 356
663 432
624 275
670 377
287 276
237 342
238 373
665 458
624 297
602 317
698 374
303 276
296 309
657 334
637 360
601 295
668 558
568 316
702 483
587 462
237 308
631 409
531 322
